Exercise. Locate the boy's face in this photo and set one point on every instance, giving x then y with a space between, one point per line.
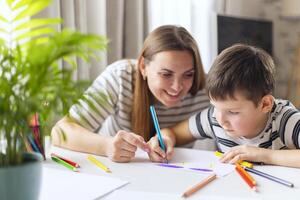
240 117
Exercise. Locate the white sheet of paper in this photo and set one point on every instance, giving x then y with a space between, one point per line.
137 195
59 184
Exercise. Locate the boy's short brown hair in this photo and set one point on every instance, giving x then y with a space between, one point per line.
242 68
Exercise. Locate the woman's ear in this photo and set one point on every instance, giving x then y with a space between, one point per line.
142 67
267 103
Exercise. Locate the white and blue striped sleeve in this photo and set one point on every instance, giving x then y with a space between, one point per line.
289 127
199 125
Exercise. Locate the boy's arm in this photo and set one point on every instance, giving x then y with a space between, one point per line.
181 133
288 158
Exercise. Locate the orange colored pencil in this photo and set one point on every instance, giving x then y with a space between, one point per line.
246 176
198 186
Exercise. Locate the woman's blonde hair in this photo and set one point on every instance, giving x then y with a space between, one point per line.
164 38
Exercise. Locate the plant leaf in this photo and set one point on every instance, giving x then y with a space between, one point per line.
3 19
33 8
35 33
34 23
20 4
9 2
3 30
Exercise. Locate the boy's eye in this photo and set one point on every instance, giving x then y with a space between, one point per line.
233 113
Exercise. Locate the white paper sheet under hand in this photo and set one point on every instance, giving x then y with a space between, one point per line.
59 184
138 195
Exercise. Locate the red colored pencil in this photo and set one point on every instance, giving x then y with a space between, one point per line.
66 160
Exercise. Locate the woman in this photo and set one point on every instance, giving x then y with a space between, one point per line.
168 74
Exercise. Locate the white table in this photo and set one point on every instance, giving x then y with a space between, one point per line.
156 179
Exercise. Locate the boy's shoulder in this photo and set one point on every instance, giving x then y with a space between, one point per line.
282 106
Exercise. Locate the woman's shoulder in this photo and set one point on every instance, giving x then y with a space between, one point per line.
127 65
200 96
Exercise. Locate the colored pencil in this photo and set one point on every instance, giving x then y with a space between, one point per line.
98 163
63 163
74 164
157 128
246 176
270 177
243 163
198 186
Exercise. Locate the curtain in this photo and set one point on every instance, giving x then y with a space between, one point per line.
123 22
127 27
198 17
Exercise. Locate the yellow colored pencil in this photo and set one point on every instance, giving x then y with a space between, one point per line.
98 163
243 163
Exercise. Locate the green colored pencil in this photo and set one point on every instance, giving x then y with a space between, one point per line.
60 161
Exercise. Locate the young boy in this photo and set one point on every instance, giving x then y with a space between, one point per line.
245 120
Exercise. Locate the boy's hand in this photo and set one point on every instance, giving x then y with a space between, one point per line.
243 152
157 154
123 146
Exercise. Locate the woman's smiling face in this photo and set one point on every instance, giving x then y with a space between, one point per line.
170 76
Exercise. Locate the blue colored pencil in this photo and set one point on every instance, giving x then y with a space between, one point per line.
33 145
270 177
157 128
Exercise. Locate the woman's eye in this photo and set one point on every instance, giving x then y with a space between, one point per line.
189 75
166 75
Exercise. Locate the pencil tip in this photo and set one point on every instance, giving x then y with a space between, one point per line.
255 189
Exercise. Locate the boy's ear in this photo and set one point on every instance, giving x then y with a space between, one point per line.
266 103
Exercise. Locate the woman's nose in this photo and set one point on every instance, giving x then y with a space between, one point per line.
177 85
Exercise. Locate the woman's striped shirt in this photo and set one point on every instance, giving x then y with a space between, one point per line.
281 131
111 112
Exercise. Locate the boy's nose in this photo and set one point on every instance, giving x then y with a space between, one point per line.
222 119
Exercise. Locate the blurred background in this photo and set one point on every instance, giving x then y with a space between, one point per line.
216 24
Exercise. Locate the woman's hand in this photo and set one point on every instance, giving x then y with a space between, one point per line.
157 154
123 146
249 153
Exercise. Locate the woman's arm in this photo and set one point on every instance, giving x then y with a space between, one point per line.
78 138
120 148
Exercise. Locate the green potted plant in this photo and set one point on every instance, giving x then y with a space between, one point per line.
33 81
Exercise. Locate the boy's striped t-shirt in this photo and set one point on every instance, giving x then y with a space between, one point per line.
281 131
114 114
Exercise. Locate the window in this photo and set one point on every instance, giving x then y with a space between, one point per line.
196 16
